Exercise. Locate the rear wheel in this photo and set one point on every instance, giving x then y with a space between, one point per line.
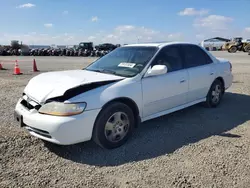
232 49
113 126
215 94
247 48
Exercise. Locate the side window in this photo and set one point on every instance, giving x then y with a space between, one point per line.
195 56
169 56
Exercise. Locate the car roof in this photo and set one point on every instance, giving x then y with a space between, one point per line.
156 44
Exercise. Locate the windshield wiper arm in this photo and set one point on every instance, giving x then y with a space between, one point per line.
94 70
106 71
110 72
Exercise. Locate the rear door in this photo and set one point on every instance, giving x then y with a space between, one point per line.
201 71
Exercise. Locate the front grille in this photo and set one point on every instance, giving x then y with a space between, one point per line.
38 131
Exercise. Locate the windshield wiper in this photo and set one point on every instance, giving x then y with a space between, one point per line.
104 71
93 70
108 71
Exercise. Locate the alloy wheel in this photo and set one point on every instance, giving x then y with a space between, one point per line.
216 94
117 127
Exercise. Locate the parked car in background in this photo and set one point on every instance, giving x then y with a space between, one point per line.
106 46
109 98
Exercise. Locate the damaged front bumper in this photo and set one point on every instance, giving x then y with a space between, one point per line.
55 129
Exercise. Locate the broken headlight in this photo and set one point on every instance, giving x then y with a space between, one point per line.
62 109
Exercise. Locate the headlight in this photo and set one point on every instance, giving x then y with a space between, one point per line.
62 109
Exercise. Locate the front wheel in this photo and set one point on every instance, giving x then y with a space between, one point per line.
114 125
215 94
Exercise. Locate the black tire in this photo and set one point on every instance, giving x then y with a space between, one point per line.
232 49
210 102
99 132
247 48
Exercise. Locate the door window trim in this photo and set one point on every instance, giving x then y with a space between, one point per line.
163 48
209 61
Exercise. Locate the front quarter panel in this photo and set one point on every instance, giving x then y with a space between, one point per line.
98 97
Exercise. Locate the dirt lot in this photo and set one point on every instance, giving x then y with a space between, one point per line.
195 147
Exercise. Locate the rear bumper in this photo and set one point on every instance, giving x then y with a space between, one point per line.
59 130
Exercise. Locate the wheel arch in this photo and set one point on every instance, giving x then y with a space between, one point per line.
130 103
222 81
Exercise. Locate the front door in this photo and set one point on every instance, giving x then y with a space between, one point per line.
167 91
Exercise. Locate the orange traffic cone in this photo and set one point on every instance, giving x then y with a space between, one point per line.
34 66
17 70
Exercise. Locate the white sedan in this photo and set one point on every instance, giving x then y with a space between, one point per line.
108 99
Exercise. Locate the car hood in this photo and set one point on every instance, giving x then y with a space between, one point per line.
55 84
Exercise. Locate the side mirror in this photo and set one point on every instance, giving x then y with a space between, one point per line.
157 70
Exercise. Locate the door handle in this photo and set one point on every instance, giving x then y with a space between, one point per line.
182 81
211 73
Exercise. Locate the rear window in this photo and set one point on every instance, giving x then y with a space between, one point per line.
194 56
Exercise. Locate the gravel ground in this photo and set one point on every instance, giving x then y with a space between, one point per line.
195 147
